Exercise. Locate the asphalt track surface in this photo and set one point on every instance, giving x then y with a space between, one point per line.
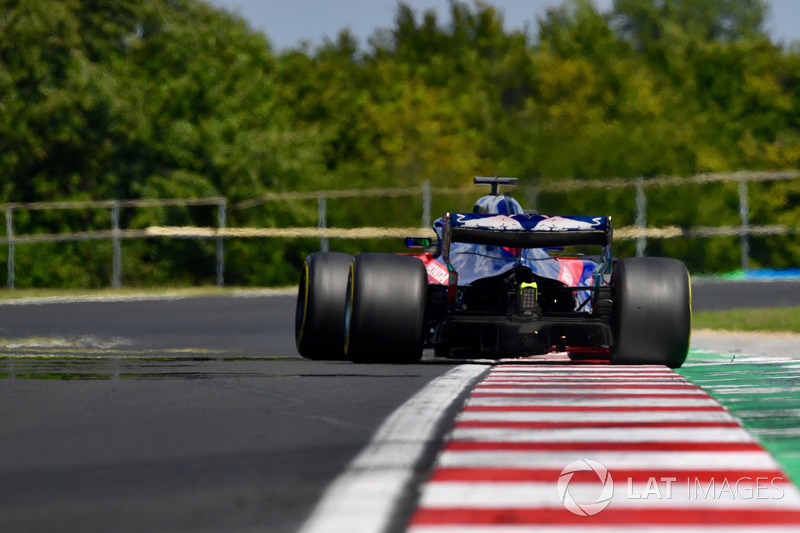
195 414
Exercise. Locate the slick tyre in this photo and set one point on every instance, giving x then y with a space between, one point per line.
319 320
652 311
385 315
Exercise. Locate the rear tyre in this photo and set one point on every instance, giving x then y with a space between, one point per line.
385 315
653 311
319 320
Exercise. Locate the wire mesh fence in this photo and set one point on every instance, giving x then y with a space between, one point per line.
637 206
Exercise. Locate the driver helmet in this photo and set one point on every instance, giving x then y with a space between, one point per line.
497 205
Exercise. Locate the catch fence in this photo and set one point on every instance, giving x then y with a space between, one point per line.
639 231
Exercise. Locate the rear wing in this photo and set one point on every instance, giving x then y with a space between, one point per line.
527 231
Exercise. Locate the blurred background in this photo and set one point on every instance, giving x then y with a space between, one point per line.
120 118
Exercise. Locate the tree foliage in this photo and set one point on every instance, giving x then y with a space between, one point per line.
173 98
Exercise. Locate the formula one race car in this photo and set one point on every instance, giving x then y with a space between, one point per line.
497 283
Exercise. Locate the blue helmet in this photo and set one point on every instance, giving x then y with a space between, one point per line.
497 205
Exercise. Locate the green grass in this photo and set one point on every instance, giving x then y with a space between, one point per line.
773 319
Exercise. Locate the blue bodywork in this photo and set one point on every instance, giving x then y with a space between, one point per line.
500 285
496 218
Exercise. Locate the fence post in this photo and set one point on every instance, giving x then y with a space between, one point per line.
426 204
10 237
116 267
641 217
744 232
222 219
322 221
532 196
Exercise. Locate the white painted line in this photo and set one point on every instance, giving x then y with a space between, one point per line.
363 497
590 402
581 368
724 493
753 413
744 389
534 373
597 416
613 460
577 369
634 434
597 380
777 432
575 390
727 358
593 378
780 374
722 377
